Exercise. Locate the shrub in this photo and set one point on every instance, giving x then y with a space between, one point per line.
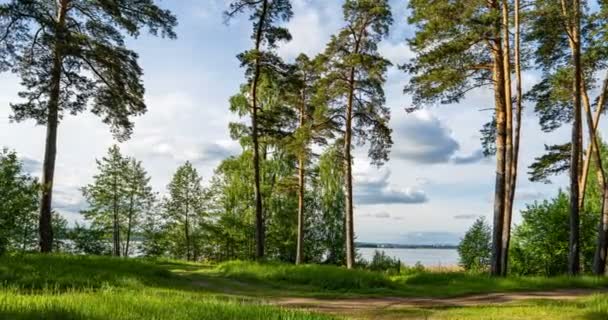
540 243
382 262
475 248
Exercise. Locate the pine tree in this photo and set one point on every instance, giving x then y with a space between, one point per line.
266 14
140 200
71 54
460 47
355 75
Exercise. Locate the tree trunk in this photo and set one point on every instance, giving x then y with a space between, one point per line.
115 223
129 226
506 229
301 186
589 151
599 262
574 240
500 185
259 215
187 227
45 227
348 176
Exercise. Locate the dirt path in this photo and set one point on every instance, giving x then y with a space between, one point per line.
354 305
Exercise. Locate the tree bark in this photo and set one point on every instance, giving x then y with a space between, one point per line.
45 227
599 261
259 215
500 186
301 187
574 240
115 223
506 229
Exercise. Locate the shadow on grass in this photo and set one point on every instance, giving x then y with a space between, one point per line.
60 273
55 314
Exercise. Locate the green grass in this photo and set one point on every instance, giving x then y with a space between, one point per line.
82 287
330 281
78 287
592 308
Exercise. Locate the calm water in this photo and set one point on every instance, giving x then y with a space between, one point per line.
428 257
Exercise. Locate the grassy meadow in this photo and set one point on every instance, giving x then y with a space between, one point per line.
87 287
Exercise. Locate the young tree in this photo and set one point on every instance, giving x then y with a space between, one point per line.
185 209
475 248
69 53
354 76
266 14
106 195
140 200
459 47
18 202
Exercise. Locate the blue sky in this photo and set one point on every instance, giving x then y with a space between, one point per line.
433 188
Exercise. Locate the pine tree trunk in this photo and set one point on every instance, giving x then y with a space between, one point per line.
517 136
301 186
259 214
187 227
45 227
508 206
500 186
574 240
599 262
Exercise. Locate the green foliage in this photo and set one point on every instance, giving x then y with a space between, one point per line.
185 210
540 243
453 46
384 263
119 198
95 66
89 241
18 203
355 69
476 247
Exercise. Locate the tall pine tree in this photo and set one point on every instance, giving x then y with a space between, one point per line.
71 54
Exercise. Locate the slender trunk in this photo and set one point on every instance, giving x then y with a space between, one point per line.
574 241
301 186
187 226
45 227
259 215
350 242
129 227
599 262
506 228
500 186
348 169
589 151
517 133
115 224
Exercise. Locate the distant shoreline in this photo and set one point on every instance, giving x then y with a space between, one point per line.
404 246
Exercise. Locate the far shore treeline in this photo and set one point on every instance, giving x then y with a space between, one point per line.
289 194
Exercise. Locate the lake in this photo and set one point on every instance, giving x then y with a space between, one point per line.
428 257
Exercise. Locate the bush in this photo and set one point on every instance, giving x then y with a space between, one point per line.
382 262
476 247
540 243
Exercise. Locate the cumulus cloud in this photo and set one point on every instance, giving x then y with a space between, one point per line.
183 150
422 138
68 200
310 27
373 188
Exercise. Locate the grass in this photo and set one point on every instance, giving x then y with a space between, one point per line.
79 287
82 287
592 308
330 281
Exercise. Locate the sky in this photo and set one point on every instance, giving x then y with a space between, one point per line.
432 189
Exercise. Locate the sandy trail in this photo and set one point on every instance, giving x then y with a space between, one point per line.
353 305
